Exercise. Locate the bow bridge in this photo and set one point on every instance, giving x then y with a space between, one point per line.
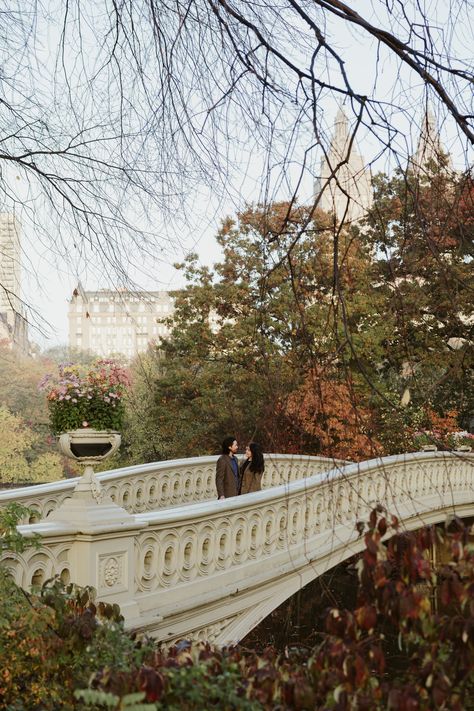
180 563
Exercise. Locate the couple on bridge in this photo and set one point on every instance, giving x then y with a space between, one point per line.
234 477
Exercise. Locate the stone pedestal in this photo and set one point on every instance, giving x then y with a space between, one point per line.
102 552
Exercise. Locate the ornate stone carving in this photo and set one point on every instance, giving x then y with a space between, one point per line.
212 543
204 557
112 571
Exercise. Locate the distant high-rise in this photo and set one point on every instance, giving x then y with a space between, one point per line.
348 194
13 325
108 322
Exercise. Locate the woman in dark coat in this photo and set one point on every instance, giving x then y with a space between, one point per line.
251 469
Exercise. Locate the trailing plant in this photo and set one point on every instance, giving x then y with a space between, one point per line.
80 396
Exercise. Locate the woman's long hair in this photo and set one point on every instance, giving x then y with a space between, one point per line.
257 464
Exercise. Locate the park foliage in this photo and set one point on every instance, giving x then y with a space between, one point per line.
348 342
311 338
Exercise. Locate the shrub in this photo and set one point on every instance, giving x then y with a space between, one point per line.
408 644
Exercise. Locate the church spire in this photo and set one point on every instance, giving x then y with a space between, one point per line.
430 148
348 193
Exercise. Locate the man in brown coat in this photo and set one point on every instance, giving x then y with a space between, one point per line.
227 470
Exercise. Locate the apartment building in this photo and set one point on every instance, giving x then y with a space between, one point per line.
117 322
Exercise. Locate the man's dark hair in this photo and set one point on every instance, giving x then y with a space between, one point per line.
227 444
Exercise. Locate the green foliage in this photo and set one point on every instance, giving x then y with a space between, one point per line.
19 394
421 232
242 339
10 539
54 644
19 462
50 643
15 441
187 678
214 683
46 467
377 311
398 424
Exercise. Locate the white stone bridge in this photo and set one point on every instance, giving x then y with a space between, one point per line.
183 565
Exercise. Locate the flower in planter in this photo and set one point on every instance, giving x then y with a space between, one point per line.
462 440
80 397
425 438
443 440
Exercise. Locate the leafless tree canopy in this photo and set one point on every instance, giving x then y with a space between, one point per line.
112 113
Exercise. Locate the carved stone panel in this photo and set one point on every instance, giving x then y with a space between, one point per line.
112 570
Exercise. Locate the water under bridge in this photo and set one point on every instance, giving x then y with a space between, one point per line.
181 564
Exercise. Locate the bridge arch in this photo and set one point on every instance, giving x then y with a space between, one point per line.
214 569
307 527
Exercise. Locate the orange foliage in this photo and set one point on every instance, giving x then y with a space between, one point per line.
328 409
441 426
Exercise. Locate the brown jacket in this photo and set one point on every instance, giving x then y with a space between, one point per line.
249 480
225 479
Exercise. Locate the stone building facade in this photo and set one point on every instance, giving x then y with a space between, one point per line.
117 322
344 183
13 324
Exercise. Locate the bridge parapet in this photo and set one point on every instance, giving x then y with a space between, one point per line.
215 569
159 485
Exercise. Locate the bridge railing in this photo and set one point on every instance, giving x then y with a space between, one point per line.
184 545
158 485
195 570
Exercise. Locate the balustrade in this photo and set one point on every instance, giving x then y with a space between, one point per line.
159 485
222 565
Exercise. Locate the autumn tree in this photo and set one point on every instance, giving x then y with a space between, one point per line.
19 462
246 333
331 410
422 233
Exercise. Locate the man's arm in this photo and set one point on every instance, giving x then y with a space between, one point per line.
220 473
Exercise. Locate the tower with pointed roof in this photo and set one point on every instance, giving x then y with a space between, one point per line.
344 183
430 150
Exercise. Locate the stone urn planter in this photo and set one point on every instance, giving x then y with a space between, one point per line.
89 505
88 445
86 412
429 448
